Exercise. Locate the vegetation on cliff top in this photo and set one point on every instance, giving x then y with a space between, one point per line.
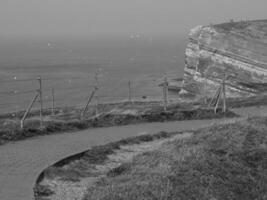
218 163
110 115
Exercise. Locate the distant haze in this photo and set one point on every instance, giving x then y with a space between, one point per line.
137 40
119 17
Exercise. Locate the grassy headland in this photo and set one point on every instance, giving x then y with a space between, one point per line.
220 162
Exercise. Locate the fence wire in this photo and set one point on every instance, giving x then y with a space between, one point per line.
74 92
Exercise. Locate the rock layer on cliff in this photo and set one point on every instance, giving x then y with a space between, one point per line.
237 51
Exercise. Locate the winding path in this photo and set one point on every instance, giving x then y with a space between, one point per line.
21 162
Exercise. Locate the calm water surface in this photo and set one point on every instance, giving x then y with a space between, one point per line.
68 65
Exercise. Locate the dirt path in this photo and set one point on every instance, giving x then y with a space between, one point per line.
21 162
76 190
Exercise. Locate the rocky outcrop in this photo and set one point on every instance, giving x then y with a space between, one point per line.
236 52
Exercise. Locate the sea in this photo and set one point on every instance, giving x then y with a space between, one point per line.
70 68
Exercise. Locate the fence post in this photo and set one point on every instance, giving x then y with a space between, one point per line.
96 89
93 94
218 99
28 110
88 102
130 92
215 97
53 101
41 101
96 105
205 90
165 93
224 94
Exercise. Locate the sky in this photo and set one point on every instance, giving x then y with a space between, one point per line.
119 17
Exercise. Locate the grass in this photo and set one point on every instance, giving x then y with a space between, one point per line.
68 120
218 163
259 100
42 191
74 167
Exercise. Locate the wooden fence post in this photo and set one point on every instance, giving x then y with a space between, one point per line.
96 104
88 102
165 93
215 97
205 90
53 101
129 92
224 94
93 94
28 110
218 100
96 89
41 101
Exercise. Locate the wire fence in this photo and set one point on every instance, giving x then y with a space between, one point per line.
16 94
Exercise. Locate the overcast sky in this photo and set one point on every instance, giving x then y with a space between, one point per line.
94 17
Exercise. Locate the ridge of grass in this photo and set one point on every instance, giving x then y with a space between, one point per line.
155 114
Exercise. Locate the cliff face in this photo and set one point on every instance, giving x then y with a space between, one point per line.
237 51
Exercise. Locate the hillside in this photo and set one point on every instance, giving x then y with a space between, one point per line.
224 161
218 163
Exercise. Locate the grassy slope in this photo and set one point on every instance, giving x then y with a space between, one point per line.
220 162
69 120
